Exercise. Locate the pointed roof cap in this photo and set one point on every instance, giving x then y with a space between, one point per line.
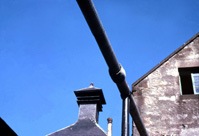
90 95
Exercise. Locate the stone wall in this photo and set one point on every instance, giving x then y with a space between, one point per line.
158 96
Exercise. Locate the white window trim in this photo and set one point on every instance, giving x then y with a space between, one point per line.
193 81
180 86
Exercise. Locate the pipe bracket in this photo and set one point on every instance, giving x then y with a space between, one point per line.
119 76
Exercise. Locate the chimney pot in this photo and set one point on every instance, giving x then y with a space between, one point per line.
109 130
110 120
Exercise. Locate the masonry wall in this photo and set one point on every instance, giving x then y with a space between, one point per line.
163 109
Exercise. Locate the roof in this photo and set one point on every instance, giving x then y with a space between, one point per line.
90 101
90 93
81 128
5 129
165 60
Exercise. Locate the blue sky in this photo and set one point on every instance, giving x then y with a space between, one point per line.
47 51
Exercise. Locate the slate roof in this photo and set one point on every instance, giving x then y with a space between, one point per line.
166 59
81 128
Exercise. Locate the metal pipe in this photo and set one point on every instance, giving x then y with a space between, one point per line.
125 117
109 129
132 128
99 33
116 71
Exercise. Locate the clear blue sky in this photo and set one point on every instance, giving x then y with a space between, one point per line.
47 51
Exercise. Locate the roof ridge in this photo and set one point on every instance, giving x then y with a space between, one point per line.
166 59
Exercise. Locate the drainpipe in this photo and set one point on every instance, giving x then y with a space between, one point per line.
109 129
116 71
125 117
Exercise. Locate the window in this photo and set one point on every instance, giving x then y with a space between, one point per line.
195 81
189 80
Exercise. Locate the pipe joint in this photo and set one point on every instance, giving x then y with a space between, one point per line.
119 76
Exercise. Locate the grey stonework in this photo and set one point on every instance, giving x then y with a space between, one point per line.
158 95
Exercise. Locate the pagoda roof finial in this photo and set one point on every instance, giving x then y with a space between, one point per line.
91 85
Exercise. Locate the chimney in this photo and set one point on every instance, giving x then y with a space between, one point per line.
90 101
109 130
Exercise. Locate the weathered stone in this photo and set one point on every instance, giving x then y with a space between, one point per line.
165 111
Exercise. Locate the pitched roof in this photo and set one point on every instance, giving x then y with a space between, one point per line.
5 129
81 128
166 59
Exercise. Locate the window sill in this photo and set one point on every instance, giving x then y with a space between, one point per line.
190 96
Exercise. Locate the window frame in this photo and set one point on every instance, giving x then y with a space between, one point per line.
186 80
193 81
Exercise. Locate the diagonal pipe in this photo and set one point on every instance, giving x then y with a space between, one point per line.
116 71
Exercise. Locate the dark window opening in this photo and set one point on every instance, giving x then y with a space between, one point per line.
189 80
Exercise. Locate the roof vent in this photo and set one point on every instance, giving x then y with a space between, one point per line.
90 101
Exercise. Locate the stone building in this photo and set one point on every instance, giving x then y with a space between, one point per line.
167 96
90 101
